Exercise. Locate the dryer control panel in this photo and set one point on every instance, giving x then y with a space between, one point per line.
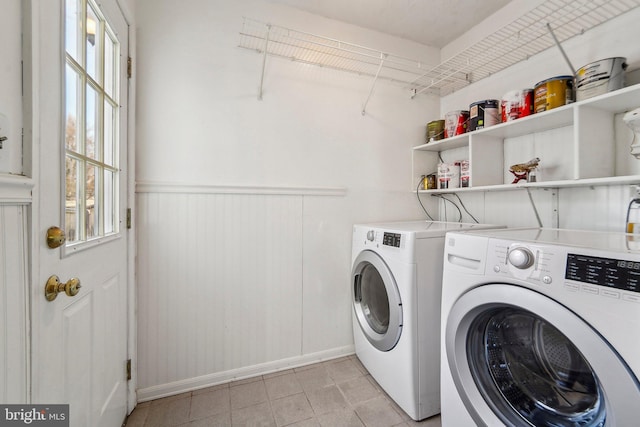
391 239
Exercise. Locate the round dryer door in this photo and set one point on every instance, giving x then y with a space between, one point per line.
376 301
519 358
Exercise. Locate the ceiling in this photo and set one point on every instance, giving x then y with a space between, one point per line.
431 22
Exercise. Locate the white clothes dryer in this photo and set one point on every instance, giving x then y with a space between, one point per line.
540 328
396 285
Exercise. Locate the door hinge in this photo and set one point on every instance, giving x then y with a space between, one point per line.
128 369
129 67
128 218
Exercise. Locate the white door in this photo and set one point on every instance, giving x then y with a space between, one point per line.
79 347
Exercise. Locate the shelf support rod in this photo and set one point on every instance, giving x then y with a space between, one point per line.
373 83
564 54
264 60
535 209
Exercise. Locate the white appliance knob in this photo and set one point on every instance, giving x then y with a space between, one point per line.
521 258
371 235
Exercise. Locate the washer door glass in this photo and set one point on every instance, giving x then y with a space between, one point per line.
524 364
519 358
376 301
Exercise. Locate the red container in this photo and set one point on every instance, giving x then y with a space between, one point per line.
455 123
516 104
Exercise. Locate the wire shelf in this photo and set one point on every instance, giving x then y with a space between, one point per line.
521 39
514 42
325 52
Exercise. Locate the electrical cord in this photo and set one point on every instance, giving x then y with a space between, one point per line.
420 201
465 208
453 203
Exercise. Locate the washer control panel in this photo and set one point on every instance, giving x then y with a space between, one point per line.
607 272
568 268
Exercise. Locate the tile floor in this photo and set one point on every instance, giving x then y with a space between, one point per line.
334 393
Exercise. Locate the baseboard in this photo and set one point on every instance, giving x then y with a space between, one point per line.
195 383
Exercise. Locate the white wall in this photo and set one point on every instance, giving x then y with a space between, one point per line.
596 208
10 87
13 306
13 211
305 149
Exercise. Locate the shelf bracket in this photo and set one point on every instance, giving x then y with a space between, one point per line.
264 60
555 206
373 82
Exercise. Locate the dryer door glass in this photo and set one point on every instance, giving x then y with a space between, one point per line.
376 301
528 369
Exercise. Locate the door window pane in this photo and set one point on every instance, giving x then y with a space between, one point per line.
92 45
109 133
72 84
72 24
110 204
91 123
72 215
92 203
110 72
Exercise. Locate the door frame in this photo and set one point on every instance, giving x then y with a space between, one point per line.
32 66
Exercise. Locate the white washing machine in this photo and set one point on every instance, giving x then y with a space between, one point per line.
396 285
540 328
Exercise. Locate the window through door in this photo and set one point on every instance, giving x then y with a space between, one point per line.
91 111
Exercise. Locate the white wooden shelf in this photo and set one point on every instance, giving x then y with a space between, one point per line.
576 143
593 182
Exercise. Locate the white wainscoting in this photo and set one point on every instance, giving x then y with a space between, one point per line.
221 292
13 304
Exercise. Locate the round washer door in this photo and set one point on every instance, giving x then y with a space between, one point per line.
376 301
519 358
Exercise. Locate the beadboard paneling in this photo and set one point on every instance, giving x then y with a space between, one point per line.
219 283
13 314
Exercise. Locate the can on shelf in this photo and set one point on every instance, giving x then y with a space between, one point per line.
516 104
464 173
430 182
600 77
448 175
553 93
455 123
435 130
483 114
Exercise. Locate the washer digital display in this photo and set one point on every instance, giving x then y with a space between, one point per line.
609 272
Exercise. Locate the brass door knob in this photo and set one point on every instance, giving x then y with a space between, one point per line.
53 287
55 237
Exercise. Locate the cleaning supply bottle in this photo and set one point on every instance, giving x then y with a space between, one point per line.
633 217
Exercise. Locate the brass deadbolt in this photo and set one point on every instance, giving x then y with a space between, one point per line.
55 237
53 287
